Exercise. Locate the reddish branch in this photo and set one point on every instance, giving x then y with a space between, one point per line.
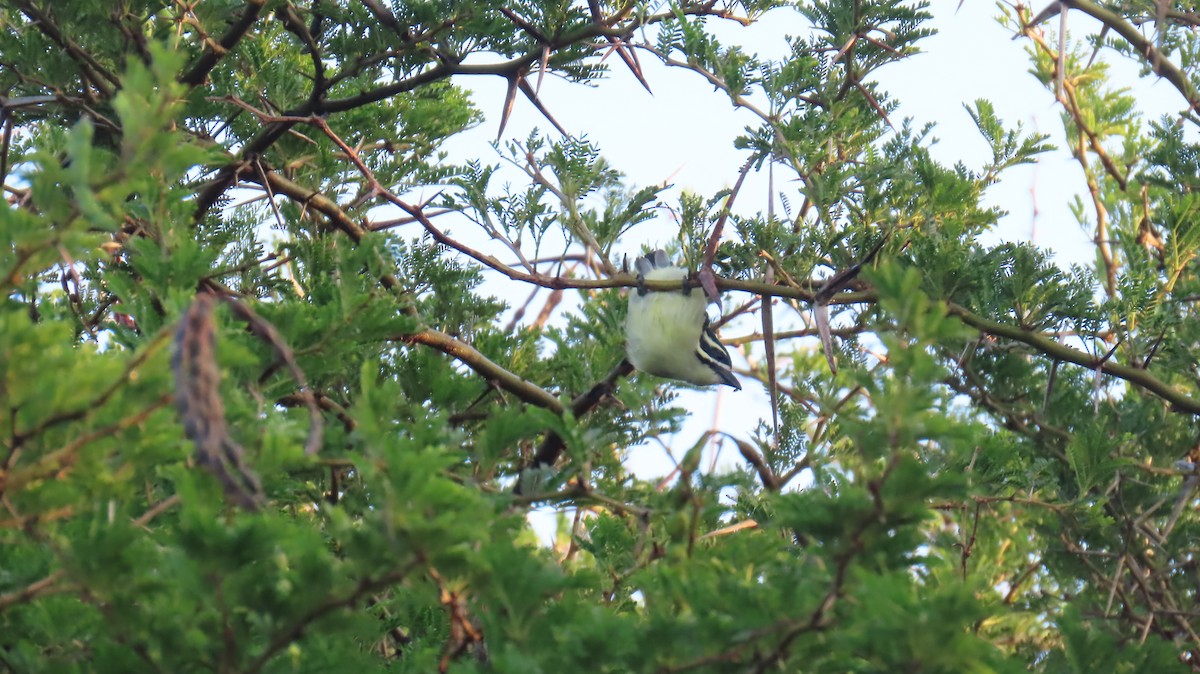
309 114
806 291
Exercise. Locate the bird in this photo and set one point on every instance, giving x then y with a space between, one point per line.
668 333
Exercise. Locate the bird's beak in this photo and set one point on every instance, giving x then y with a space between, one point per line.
728 378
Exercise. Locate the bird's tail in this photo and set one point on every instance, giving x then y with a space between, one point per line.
656 260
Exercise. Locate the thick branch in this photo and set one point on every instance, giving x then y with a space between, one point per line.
99 76
214 52
553 444
1145 47
314 199
469 356
1050 347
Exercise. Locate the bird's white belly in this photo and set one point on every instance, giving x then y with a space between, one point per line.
663 330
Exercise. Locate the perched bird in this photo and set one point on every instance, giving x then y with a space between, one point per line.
667 333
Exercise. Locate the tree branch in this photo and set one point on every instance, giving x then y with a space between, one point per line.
469 356
1145 47
99 76
214 52
1049 347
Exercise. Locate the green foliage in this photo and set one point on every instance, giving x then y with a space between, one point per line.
988 464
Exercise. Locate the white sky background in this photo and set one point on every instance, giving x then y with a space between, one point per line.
684 133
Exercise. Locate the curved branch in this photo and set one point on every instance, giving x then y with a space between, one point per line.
317 201
1161 66
314 199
